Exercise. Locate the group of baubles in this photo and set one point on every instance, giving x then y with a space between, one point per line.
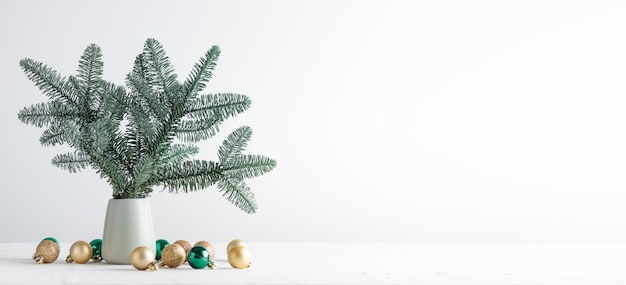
200 255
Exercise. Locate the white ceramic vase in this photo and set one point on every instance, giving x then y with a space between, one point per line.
128 224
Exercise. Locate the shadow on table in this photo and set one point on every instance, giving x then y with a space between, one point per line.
222 264
181 268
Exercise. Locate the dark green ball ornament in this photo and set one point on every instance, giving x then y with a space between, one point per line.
96 249
198 257
160 245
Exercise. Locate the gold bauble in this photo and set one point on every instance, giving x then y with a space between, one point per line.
209 247
80 252
235 242
142 257
186 245
239 257
47 251
173 255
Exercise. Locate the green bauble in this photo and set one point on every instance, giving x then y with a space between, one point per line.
54 240
96 249
96 246
160 245
198 257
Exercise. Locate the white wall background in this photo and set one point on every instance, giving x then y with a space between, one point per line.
390 121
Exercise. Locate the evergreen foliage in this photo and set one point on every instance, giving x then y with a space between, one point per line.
141 136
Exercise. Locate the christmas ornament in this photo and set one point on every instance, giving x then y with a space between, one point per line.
173 255
208 246
186 245
160 245
80 252
198 257
239 257
142 258
234 243
96 250
47 251
54 240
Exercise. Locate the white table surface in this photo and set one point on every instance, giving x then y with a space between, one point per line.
351 263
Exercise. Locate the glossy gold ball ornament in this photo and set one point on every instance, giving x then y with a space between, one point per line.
173 255
235 242
239 257
209 247
80 252
186 245
142 258
47 251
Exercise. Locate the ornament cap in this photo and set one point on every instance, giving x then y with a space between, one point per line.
154 266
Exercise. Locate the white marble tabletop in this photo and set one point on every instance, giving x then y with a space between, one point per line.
351 263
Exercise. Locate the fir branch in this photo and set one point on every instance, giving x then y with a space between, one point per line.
179 153
159 69
238 193
138 82
72 162
46 113
103 159
120 152
86 112
234 144
142 95
139 67
48 80
107 128
71 133
247 166
159 143
112 101
201 74
140 129
187 176
142 172
53 136
197 130
139 132
73 86
161 77
110 154
90 70
225 105
114 175
113 145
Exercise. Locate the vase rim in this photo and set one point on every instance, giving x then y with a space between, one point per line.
128 198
